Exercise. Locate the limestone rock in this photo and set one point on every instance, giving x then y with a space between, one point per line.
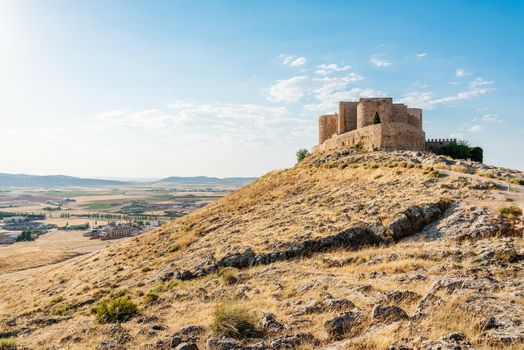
342 324
388 313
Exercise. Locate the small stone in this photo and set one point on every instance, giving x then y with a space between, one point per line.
270 323
221 344
186 346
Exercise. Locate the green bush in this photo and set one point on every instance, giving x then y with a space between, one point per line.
115 309
233 321
301 154
152 296
511 212
7 344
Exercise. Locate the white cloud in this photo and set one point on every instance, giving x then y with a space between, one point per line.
182 123
325 69
460 72
492 118
457 135
379 62
425 100
476 128
293 61
322 89
290 90
421 55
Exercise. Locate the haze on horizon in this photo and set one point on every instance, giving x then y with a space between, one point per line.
150 89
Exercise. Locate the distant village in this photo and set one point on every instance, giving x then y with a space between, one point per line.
116 231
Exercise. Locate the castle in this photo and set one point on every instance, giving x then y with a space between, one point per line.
372 123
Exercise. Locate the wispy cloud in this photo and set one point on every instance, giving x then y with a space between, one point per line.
229 122
426 100
421 55
326 69
460 72
379 61
293 61
492 118
321 89
476 128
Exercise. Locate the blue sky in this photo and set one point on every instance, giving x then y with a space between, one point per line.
234 88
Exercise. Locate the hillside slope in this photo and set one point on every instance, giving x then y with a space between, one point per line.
399 250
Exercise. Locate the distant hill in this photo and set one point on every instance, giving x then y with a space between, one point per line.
23 180
203 180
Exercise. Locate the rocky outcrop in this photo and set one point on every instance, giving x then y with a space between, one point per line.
406 223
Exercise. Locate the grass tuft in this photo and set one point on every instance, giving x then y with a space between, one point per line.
232 320
115 309
7 344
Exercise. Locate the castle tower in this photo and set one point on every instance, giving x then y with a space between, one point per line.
369 107
347 116
327 126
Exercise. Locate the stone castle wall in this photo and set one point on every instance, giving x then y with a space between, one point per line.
391 136
399 127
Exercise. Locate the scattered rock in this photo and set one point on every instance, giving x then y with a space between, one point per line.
294 341
453 341
342 324
221 344
388 313
269 322
186 346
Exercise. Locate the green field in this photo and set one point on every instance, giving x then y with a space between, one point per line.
97 206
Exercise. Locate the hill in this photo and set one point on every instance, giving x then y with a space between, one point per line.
23 180
204 180
346 250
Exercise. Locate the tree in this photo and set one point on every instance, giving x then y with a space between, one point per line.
476 154
376 120
301 154
457 150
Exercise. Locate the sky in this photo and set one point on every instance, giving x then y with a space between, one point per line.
129 89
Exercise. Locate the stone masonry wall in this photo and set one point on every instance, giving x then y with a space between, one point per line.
399 113
347 116
368 107
391 136
327 126
415 117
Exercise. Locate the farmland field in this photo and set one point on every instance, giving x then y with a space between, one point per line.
64 209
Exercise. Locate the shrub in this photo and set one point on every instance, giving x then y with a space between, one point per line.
435 174
233 321
228 275
516 181
65 309
373 165
342 166
174 248
7 344
511 212
491 176
152 296
301 154
115 309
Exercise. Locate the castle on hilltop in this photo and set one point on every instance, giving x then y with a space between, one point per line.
372 123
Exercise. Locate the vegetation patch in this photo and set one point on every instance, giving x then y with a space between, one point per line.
7 344
228 275
511 212
232 320
115 308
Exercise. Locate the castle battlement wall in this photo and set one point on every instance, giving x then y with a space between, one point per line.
372 123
